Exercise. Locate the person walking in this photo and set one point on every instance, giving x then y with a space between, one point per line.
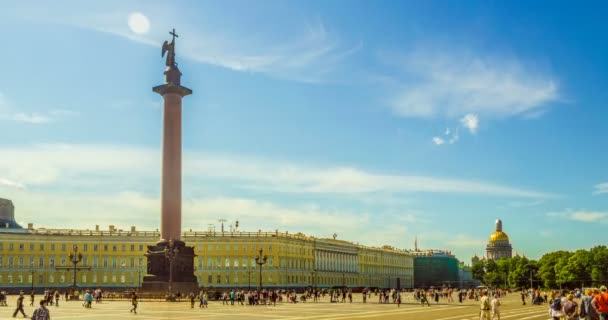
205 299
42 313
88 299
19 306
484 306
495 304
571 308
32 297
191 296
423 299
134 302
600 303
587 312
556 310
398 298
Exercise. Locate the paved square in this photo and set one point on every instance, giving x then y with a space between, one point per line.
115 310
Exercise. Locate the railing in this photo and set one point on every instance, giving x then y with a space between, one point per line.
154 235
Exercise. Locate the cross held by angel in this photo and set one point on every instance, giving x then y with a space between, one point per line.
169 48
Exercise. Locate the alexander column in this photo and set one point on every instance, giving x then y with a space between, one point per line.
170 261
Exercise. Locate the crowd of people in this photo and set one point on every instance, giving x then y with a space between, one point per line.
586 304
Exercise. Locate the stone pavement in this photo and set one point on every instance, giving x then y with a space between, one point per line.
118 310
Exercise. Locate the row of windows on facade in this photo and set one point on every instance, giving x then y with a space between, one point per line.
252 278
137 247
84 247
141 247
19 279
53 262
212 262
211 247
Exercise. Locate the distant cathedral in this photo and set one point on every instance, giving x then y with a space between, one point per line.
498 247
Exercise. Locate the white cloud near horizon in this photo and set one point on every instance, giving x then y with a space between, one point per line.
128 208
581 215
83 165
34 118
10 183
601 188
9 112
455 84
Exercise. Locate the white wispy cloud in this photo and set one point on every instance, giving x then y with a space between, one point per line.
438 141
34 118
457 241
127 208
307 53
581 215
8 111
589 216
451 136
456 84
522 204
77 165
10 183
601 188
471 122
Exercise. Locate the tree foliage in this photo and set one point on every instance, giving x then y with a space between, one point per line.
553 270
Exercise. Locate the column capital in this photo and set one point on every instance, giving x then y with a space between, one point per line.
172 88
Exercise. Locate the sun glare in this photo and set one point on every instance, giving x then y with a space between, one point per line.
139 23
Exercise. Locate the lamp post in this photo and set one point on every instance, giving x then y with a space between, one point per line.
32 271
75 258
260 260
170 253
139 269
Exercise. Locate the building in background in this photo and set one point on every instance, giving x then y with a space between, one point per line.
29 257
7 215
436 268
499 246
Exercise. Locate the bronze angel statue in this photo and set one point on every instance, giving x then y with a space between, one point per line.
169 48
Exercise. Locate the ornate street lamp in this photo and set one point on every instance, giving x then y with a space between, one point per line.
261 260
75 258
139 268
170 253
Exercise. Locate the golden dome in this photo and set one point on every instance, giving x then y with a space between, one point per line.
499 236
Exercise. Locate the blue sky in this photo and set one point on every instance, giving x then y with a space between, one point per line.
377 121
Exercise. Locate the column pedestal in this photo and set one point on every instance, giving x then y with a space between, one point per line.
157 278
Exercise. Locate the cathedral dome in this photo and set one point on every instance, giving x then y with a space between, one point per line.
499 236
499 247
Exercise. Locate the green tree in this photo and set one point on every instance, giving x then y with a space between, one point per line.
478 270
599 265
493 278
547 266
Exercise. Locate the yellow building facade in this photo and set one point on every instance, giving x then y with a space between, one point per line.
30 257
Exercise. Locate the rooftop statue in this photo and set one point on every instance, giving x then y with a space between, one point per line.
169 48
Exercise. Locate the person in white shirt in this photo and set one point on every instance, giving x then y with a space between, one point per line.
495 304
485 306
